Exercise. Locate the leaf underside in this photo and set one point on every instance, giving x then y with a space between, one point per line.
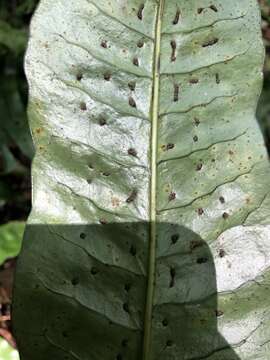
150 184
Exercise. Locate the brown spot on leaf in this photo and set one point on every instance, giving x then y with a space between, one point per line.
127 287
102 121
104 44
221 199
172 275
172 196
79 76
176 92
165 322
221 253
132 196
196 121
177 17
135 61
174 238
103 221
132 102
169 146
213 7
94 271
140 43
200 211
140 12
199 166
193 81
194 244
107 76
83 106
132 152
219 313
132 85
126 307
169 343
173 54
210 42
133 250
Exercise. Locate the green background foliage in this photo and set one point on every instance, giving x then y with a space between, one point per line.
11 238
263 113
16 149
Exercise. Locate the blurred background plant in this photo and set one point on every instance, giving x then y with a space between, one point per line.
16 149
16 152
263 110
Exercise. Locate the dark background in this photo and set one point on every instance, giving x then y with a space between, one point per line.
16 149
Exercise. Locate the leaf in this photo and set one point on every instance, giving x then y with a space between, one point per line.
263 112
7 352
14 123
5 191
14 40
150 182
26 7
10 240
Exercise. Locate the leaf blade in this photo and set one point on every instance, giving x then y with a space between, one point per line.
92 127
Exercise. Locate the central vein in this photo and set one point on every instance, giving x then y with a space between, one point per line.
153 192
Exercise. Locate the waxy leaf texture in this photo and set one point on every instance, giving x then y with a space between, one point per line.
149 233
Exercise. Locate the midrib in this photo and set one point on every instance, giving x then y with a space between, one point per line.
153 191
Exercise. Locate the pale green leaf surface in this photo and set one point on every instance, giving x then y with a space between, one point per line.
160 100
11 235
7 352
